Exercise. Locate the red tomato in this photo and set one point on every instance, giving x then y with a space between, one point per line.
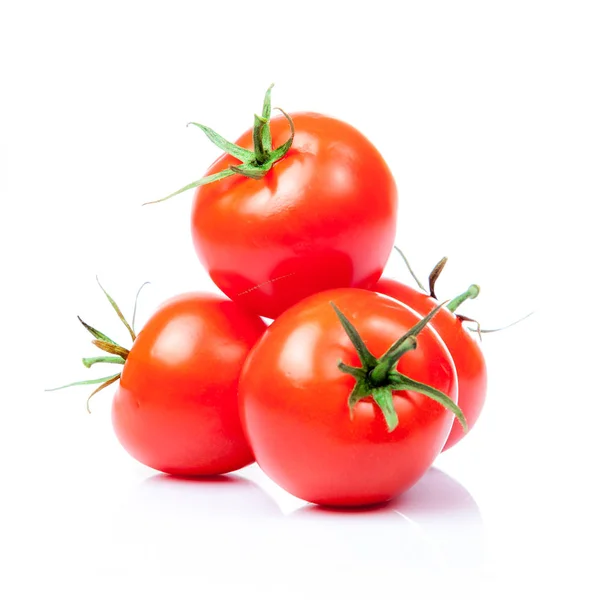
324 216
294 401
464 348
176 406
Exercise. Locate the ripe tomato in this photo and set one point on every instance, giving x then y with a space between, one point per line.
176 409
304 225
464 348
294 401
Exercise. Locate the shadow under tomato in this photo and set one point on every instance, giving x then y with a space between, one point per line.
181 525
436 524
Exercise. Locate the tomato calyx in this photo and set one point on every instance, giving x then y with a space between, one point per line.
255 163
115 353
471 293
378 378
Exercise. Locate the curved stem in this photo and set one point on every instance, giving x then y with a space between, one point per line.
471 293
480 331
409 268
282 150
136 304
435 273
101 387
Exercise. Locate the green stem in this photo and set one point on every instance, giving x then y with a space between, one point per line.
261 156
380 373
378 378
116 360
471 293
255 163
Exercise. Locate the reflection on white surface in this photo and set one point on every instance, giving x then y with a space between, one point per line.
435 526
213 528
199 526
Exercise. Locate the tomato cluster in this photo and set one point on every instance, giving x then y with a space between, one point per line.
356 386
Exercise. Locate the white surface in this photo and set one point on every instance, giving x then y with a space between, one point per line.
487 114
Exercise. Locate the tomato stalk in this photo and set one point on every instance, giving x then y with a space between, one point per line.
256 163
471 293
116 354
377 378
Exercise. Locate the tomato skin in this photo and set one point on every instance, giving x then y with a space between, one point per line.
302 228
464 348
294 402
175 409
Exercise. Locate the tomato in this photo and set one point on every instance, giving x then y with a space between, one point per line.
305 225
299 204
294 400
464 348
175 409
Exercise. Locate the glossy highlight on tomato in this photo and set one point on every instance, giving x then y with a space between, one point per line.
294 401
323 217
176 409
464 348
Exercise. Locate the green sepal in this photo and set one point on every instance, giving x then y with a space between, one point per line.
242 154
378 378
384 398
118 311
249 171
367 360
87 382
112 348
354 371
282 150
266 115
254 164
361 390
97 334
400 382
208 179
261 155
412 332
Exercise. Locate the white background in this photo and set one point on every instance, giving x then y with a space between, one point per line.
488 114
